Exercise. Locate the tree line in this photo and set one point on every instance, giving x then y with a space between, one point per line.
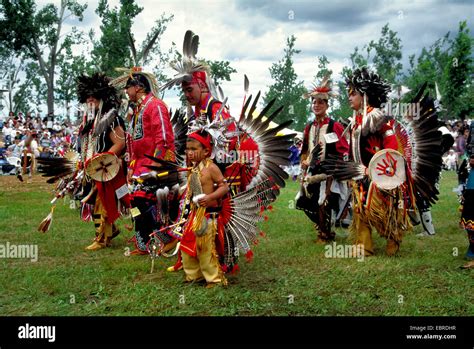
33 42
39 65
448 63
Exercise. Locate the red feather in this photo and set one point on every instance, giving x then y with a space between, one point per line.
226 211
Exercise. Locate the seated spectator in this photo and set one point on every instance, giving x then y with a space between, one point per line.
7 132
15 149
45 141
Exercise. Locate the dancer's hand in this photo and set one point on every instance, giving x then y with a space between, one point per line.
204 201
304 164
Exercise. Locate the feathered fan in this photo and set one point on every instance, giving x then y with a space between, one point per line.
57 168
180 130
240 215
273 150
427 151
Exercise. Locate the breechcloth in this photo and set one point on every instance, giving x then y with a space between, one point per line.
206 263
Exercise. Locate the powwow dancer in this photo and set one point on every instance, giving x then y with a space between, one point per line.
320 194
239 213
388 166
467 200
199 89
260 173
98 173
205 191
151 134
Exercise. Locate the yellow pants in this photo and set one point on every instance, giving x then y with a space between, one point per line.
363 234
104 231
206 264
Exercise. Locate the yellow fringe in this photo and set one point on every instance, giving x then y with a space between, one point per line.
198 218
381 211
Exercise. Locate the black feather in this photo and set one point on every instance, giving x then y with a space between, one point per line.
164 164
244 110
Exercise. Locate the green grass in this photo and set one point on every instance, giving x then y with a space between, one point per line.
288 276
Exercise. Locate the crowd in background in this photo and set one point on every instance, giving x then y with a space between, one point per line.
463 137
460 130
47 136
50 136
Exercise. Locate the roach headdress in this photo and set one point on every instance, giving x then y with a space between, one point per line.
322 90
98 87
135 76
370 84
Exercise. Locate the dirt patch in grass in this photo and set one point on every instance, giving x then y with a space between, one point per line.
12 183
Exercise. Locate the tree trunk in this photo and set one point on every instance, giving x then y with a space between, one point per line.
50 100
10 96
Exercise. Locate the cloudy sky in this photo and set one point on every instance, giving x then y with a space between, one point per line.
252 34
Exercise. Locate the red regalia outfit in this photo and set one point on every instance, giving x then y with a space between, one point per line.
254 183
96 176
150 134
321 196
202 228
385 174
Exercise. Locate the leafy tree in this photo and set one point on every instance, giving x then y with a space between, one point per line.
342 109
323 68
152 51
38 35
387 55
358 59
430 67
11 65
71 67
117 46
113 48
383 55
36 85
447 62
287 90
459 75
221 70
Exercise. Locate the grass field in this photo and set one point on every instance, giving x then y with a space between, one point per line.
288 276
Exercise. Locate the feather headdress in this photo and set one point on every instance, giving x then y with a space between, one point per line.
97 86
217 130
136 76
369 83
323 90
190 69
